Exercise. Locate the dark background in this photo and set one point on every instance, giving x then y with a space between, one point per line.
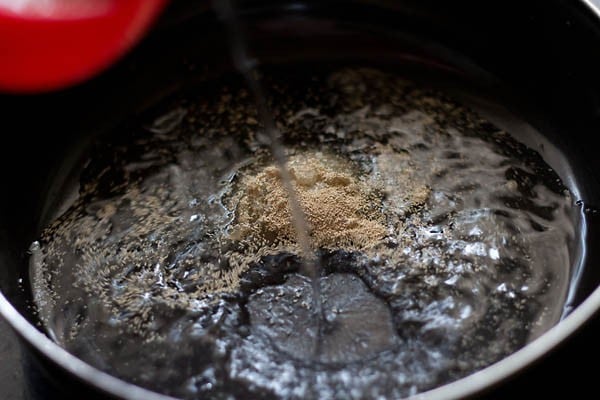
11 371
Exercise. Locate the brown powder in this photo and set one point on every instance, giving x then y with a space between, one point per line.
342 211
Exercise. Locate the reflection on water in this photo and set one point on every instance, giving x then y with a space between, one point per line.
444 244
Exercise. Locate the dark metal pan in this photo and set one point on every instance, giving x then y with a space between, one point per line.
539 58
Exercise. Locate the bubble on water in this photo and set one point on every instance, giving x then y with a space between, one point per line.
168 122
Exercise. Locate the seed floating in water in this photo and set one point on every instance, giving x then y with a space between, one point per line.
444 244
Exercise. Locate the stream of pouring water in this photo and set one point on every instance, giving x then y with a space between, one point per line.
271 136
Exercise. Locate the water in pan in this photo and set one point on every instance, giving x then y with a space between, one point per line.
444 244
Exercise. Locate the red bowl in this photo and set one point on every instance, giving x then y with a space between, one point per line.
50 44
